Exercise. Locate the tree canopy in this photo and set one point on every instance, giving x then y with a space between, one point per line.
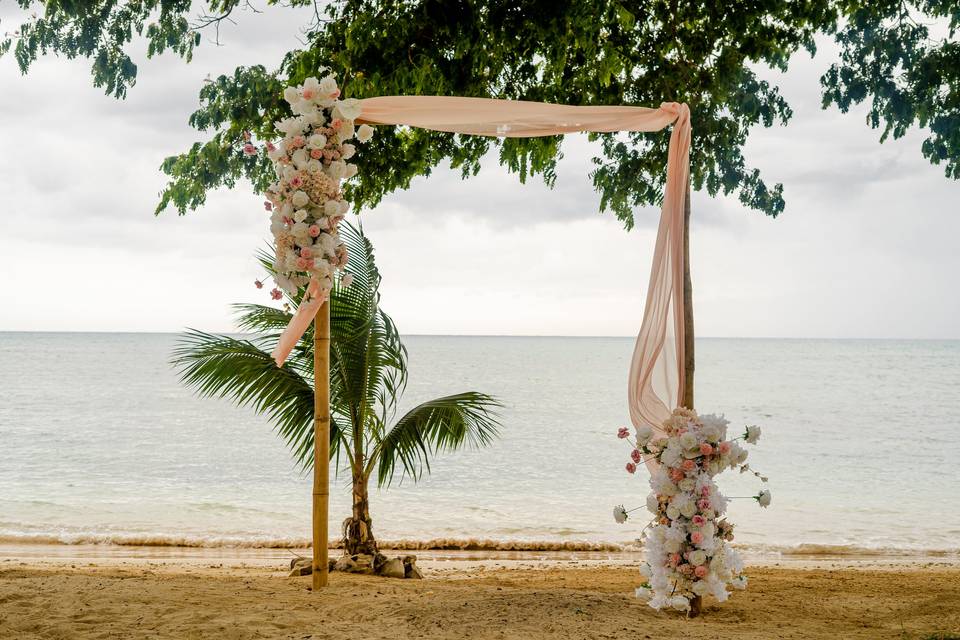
565 51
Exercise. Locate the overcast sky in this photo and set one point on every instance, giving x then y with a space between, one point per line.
866 247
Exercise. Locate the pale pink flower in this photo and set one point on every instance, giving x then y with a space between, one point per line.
316 154
336 123
622 433
674 559
705 448
676 475
258 284
270 146
699 520
635 455
724 448
296 182
301 263
689 465
347 280
249 149
306 252
335 94
307 94
314 231
631 468
696 537
703 504
700 571
297 142
276 294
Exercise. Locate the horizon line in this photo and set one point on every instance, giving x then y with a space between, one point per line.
491 335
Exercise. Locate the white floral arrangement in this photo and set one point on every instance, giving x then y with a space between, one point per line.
686 542
306 202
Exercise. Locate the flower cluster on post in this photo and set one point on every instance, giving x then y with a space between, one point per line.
306 202
687 550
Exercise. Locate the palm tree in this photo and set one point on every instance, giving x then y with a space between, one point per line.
368 373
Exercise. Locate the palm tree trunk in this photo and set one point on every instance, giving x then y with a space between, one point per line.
358 528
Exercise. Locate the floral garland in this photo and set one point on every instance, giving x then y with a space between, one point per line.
687 550
306 201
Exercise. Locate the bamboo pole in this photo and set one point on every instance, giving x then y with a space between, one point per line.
696 603
321 443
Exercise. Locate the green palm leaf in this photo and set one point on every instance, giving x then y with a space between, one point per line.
434 426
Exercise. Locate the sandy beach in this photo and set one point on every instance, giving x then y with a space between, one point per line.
107 592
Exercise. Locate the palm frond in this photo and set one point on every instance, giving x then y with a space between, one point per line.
224 367
441 424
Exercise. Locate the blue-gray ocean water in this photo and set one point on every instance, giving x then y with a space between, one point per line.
99 442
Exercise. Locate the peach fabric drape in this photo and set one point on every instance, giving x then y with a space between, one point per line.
656 371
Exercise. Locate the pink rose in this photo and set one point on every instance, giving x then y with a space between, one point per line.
689 465
703 504
301 263
298 141
249 149
631 468
724 448
296 182
706 449
314 231
316 154
336 123
635 455
674 559
700 571
271 147
696 537
676 475
699 520
705 491
306 252
622 433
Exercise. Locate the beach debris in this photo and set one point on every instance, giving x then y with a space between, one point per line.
393 568
379 564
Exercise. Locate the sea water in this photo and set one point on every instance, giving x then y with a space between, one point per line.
99 442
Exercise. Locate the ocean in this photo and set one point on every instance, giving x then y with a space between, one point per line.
100 443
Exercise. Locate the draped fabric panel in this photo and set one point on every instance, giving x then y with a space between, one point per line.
656 378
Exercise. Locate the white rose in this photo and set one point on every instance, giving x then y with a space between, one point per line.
300 158
697 557
364 133
688 509
314 166
291 95
328 86
346 131
653 505
764 498
672 512
688 484
644 433
300 215
312 86
688 441
304 107
337 169
619 513
300 230
300 199
347 151
344 207
752 434
351 170
331 208
317 141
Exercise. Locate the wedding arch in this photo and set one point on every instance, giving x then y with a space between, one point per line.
307 204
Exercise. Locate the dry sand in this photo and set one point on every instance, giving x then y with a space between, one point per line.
162 594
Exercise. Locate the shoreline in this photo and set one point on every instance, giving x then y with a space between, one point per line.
103 555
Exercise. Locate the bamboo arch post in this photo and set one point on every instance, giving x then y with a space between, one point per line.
696 603
321 444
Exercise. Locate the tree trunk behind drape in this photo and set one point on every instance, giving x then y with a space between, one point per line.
696 603
358 528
